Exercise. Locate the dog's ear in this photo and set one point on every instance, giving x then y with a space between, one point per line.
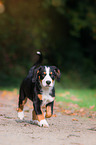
35 74
57 73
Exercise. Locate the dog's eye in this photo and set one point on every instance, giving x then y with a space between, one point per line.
43 74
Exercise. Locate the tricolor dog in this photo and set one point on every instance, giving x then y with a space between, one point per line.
38 86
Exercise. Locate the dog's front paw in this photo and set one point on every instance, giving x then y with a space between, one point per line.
43 123
21 115
36 122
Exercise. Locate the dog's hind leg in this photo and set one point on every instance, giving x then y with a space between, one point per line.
22 101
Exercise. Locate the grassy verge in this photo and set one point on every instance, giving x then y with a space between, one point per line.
83 98
77 92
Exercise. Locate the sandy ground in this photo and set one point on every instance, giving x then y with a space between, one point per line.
62 130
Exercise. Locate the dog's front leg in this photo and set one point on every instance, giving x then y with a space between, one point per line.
49 109
38 115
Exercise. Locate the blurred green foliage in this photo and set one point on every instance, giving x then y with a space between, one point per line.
64 30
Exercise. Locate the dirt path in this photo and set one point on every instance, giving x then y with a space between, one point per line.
63 130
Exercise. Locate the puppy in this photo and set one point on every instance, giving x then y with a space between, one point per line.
38 86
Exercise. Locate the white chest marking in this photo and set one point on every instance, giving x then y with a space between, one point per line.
46 97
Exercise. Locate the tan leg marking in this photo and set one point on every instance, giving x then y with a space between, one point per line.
34 116
40 96
20 109
37 117
48 112
40 116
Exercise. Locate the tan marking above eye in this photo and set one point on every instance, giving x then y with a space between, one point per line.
44 73
50 73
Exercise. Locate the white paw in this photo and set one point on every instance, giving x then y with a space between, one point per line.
43 123
21 115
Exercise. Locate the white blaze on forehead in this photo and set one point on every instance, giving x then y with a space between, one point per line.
47 69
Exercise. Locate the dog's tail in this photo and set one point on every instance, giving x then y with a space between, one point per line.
39 61
31 71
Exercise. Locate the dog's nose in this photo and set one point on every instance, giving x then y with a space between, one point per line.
48 82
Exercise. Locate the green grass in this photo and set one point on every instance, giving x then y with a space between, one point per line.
82 97
85 97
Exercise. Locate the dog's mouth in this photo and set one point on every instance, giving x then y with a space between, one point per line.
48 86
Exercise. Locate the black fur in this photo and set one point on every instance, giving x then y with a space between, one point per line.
31 87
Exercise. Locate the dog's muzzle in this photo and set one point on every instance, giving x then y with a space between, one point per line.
48 82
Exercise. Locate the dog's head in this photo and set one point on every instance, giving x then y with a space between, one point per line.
47 75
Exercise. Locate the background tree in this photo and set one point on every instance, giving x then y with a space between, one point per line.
64 30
